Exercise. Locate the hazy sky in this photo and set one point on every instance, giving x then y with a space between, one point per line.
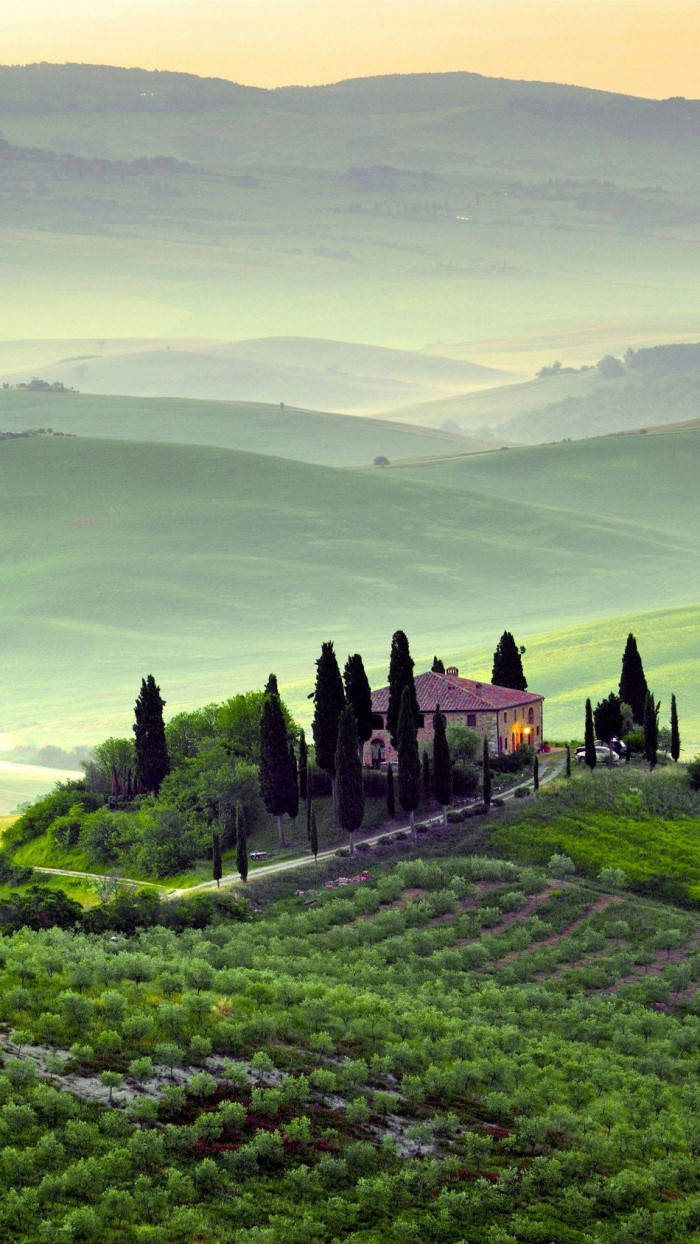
646 47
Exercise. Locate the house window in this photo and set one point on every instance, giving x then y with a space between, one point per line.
471 719
531 715
537 731
377 721
505 743
505 716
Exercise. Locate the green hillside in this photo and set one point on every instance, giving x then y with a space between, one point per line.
211 567
328 439
399 211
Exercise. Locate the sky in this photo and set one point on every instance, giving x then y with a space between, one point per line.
642 47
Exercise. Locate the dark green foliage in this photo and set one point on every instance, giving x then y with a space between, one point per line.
507 664
359 697
633 684
465 781
293 803
486 776
694 773
568 761
38 818
329 702
442 763
400 676
271 687
152 762
607 716
307 801
276 777
536 773
408 757
651 729
217 869
241 844
425 768
348 770
303 765
390 794
675 736
40 908
589 738
313 835
437 666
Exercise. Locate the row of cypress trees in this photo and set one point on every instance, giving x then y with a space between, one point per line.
607 717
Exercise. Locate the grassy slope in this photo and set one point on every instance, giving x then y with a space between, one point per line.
211 567
307 436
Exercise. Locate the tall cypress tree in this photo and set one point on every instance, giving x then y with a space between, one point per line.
507 664
425 766
442 764
400 676
567 769
241 844
217 870
313 835
390 795
536 773
348 770
651 729
486 776
308 803
437 666
633 684
359 697
329 702
293 795
303 765
152 762
409 759
589 738
675 736
275 766
271 687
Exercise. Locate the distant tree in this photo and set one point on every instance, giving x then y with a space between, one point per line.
275 767
486 776
381 460
308 802
293 800
359 696
241 845
329 702
437 666
651 729
400 676
425 767
313 835
348 770
152 762
610 367
112 768
607 716
442 763
303 765
217 870
390 795
633 684
408 757
675 736
507 664
536 772
589 738
568 761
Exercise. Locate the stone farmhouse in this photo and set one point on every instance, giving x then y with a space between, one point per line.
506 718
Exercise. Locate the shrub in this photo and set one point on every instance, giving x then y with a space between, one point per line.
521 793
693 771
561 865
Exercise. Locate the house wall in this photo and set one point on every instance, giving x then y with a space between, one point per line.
499 727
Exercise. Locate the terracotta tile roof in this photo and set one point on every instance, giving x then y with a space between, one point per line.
457 695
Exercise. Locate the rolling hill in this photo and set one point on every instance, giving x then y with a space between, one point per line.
211 567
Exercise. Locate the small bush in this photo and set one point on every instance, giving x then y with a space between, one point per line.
694 773
521 793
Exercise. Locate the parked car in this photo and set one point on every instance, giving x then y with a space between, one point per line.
604 755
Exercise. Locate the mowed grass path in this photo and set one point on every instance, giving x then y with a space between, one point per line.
212 567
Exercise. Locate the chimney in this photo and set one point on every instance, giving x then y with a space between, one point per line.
452 669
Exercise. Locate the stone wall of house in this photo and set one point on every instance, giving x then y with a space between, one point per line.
504 729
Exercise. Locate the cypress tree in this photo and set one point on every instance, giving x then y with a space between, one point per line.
390 796
589 738
536 773
507 664
271 687
400 676
152 762
568 761
293 794
409 759
442 764
329 702
275 767
303 765
217 869
313 835
437 666
675 736
351 800
651 729
425 763
633 684
308 803
359 697
241 844
607 716
486 777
